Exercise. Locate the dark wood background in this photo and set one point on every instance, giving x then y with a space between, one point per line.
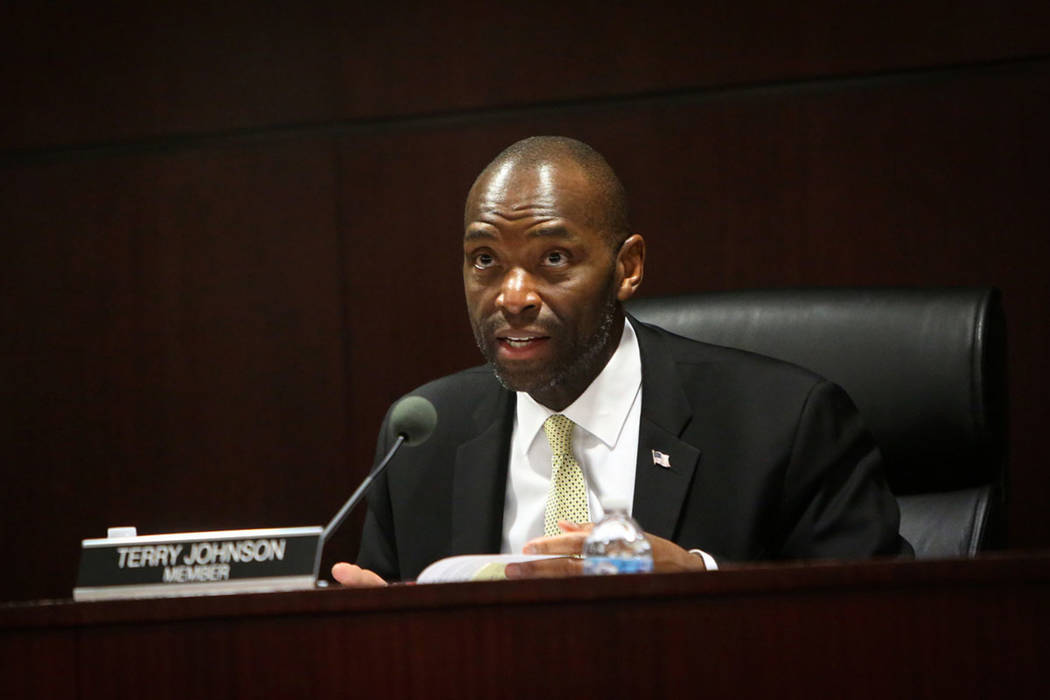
230 235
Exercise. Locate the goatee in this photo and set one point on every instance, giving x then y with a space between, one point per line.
580 367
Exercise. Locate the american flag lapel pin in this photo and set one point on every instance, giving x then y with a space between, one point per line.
661 459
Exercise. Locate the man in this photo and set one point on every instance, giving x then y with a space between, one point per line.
722 454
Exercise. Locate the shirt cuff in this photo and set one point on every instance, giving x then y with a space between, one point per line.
709 562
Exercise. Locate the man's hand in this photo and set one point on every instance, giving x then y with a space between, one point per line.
354 576
569 543
667 556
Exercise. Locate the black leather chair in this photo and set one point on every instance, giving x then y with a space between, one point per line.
926 368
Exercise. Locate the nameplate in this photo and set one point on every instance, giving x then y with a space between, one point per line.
199 563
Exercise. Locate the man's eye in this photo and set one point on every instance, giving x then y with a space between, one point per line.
483 261
555 257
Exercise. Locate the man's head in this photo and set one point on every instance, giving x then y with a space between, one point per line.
548 259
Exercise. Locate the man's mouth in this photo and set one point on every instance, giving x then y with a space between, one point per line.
519 342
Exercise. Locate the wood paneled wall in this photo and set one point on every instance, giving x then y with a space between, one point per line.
230 235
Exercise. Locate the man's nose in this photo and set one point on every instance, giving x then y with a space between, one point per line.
518 293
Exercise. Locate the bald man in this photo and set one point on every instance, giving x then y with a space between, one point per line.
722 455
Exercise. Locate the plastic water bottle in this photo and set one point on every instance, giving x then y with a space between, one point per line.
617 545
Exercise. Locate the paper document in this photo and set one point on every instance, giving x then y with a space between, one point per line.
474 567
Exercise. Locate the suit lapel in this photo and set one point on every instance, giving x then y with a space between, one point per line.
479 479
480 471
659 491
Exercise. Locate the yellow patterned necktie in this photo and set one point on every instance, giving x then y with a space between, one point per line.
567 498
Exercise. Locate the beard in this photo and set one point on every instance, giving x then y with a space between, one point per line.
578 362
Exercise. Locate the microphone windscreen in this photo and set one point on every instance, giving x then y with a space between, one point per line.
415 418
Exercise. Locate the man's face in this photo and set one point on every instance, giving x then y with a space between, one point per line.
541 280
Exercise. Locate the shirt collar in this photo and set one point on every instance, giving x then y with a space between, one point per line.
603 407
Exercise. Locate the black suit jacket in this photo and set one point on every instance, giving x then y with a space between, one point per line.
768 461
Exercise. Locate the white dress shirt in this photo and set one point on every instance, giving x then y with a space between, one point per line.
604 442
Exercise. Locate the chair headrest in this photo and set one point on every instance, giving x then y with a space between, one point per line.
926 367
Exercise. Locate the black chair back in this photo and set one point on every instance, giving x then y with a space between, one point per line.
926 368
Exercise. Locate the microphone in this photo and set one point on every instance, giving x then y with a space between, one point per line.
412 420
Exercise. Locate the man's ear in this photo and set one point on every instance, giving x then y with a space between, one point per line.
630 266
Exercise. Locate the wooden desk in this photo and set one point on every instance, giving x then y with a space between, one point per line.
947 629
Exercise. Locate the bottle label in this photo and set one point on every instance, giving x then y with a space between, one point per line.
600 566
